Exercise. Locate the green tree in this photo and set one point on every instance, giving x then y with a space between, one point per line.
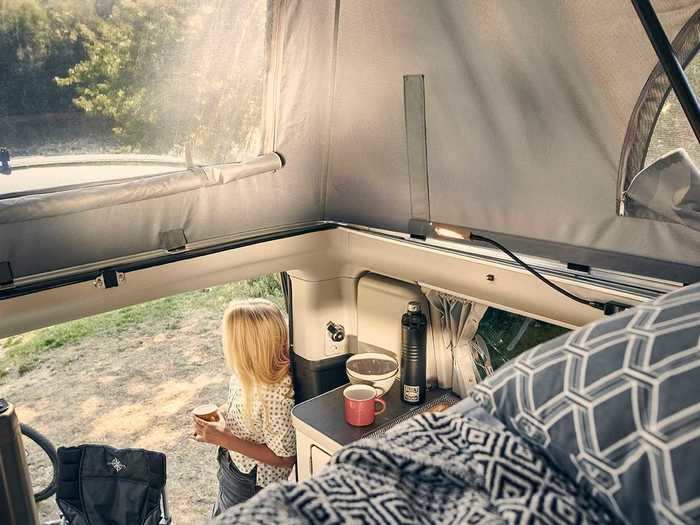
167 72
128 55
37 44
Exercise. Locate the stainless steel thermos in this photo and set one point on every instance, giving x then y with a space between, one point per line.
414 327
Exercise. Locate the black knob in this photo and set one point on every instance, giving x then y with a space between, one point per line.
335 331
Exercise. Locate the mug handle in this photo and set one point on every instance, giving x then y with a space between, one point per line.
381 402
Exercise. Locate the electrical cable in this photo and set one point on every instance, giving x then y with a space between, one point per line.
481 238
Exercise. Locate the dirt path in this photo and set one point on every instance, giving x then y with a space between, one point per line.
134 391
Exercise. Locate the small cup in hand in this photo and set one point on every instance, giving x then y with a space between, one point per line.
208 412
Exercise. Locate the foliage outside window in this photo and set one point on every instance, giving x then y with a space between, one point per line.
155 74
507 335
672 129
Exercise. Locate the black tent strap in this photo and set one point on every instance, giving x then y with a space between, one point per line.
6 276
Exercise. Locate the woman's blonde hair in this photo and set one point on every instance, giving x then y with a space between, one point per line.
256 345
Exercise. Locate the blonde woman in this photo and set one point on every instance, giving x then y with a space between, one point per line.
254 432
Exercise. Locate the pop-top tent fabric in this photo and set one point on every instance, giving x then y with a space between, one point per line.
667 190
527 109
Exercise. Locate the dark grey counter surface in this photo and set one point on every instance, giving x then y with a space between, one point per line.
325 413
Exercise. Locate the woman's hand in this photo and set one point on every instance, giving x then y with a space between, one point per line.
210 432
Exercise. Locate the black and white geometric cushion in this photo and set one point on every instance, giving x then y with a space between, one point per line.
616 405
434 468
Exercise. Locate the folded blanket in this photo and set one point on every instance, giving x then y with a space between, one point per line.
434 468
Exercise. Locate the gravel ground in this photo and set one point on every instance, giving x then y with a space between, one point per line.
135 390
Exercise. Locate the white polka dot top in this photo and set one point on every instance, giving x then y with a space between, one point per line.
270 424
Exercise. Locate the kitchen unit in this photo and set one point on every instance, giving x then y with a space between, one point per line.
321 429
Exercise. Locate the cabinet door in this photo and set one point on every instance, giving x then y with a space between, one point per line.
319 458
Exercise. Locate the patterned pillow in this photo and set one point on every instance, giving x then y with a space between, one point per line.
616 405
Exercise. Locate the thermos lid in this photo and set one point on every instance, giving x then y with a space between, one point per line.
414 306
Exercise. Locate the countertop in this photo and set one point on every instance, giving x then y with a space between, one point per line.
325 413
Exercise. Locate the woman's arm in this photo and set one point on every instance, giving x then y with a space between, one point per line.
256 451
217 434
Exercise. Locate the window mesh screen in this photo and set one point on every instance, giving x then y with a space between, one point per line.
129 77
672 129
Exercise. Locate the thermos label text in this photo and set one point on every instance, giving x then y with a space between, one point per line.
411 393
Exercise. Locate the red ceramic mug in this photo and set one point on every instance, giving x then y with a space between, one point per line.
360 404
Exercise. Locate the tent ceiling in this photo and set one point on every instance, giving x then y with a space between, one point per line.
527 105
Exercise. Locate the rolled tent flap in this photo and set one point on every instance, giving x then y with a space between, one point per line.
230 172
666 190
43 205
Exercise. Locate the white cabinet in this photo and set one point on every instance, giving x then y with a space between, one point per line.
314 450
319 458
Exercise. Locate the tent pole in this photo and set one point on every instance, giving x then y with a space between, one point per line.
669 61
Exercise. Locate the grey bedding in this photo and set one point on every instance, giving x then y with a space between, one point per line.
435 468
616 406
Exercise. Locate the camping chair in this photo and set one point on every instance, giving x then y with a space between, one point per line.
101 485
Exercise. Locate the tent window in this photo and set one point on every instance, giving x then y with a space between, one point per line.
109 90
672 129
658 124
508 335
